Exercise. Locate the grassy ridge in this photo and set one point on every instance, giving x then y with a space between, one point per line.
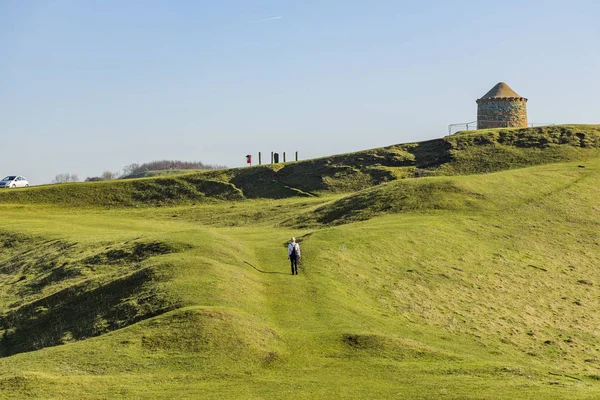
491 150
127 193
491 192
469 152
57 291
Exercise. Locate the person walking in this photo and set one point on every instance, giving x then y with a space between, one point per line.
294 255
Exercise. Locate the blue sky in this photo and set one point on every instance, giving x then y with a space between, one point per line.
89 86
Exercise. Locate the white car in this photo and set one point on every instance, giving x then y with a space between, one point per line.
13 181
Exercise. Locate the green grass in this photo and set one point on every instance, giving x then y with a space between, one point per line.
162 173
491 150
469 152
450 287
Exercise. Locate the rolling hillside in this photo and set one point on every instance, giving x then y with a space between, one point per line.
459 268
468 152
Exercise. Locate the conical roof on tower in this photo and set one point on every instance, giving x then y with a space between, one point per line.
501 91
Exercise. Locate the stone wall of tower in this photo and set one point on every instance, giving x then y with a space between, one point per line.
502 113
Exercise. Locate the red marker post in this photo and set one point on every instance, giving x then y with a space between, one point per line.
249 159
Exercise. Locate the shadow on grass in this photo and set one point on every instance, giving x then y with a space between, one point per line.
265 272
82 311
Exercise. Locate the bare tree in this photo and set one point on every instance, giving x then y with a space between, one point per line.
130 169
65 178
108 176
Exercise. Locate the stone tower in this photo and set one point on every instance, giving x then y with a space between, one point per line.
501 107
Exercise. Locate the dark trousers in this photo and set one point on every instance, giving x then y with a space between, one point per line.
294 262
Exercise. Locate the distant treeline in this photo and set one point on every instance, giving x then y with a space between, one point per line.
136 169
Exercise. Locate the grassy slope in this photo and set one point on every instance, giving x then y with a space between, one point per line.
465 153
462 287
491 150
162 172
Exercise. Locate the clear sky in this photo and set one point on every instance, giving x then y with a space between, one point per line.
88 86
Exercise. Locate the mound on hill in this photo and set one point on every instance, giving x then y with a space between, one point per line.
457 193
59 291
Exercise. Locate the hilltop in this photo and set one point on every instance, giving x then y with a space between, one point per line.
463 267
468 152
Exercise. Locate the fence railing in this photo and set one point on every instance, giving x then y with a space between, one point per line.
468 126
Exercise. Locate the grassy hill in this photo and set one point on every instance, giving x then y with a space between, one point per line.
443 286
162 173
468 152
